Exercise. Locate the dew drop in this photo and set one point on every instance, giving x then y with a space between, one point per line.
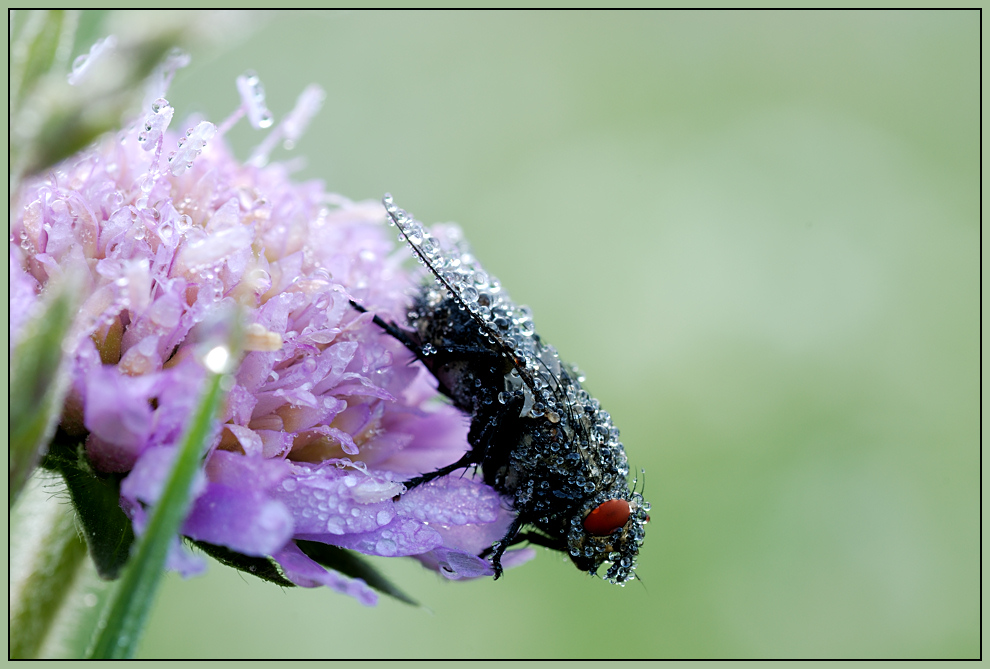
385 547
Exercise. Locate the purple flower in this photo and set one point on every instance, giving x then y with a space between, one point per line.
327 416
23 295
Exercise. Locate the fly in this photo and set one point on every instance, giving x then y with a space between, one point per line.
537 436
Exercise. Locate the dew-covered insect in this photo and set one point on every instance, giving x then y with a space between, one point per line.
537 436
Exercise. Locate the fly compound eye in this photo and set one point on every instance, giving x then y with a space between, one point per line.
607 517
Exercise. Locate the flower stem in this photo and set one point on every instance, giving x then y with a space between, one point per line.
46 557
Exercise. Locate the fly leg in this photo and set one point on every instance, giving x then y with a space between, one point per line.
466 460
512 537
481 442
405 338
499 547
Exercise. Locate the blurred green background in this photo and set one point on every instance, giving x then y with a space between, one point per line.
757 233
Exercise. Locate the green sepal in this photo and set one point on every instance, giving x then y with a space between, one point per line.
339 559
350 564
96 498
262 567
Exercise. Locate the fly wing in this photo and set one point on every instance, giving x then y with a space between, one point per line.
509 327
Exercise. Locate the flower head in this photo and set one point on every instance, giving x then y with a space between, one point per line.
327 416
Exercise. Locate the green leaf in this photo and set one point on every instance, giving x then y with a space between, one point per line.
37 381
96 498
264 568
350 564
135 594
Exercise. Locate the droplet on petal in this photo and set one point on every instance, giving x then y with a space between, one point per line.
84 63
197 137
253 99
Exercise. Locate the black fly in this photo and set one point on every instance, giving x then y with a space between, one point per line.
536 435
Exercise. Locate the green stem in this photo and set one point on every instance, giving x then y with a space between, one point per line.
46 557
135 594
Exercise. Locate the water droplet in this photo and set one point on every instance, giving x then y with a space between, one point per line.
83 63
217 359
385 547
253 100
414 232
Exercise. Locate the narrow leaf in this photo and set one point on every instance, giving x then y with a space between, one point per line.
136 591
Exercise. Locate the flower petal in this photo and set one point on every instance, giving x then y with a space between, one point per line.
329 501
304 572
451 501
245 520
401 537
147 479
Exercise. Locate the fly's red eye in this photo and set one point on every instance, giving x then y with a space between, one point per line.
607 517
